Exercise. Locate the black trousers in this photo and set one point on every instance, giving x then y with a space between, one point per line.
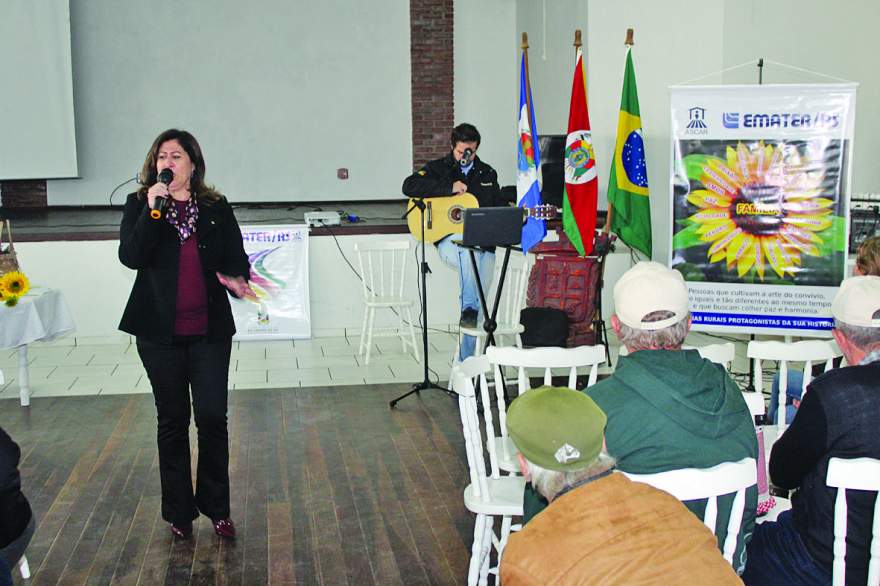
174 369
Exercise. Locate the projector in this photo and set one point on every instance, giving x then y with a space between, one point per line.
322 218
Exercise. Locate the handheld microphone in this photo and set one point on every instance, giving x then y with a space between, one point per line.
166 176
466 158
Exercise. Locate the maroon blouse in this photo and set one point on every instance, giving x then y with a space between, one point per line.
191 318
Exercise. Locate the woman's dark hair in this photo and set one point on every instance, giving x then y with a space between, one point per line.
465 133
197 185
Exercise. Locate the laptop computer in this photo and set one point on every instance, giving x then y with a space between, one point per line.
500 226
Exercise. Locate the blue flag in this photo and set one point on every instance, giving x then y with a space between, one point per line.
528 160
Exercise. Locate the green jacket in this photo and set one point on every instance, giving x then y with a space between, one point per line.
673 409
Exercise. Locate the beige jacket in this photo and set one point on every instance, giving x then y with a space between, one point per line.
615 531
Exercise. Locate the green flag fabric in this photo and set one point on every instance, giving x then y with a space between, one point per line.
630 206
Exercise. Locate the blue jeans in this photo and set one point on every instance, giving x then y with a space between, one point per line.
459 259
776 555
5 573
795 385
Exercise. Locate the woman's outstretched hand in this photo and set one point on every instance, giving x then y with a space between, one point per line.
239 287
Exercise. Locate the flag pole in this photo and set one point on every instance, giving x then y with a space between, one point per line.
525 49
628 43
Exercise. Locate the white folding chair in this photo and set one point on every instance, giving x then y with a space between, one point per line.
488 496
500 446
690 484
513 299
24 568
383 274
855 474
806 351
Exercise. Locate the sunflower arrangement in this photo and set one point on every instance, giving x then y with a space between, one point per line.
13 285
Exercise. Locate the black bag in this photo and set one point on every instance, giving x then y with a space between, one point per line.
544 326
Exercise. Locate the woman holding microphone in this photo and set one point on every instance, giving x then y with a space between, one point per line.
181 237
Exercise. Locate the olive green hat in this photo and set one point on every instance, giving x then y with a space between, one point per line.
557 428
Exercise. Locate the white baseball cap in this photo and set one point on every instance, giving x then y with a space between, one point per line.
646 288
857 302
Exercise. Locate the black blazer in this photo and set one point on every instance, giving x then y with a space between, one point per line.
152 247
437 176
15 511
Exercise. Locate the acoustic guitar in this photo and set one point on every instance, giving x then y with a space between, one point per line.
445 215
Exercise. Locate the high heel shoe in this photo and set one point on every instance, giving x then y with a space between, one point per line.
182 531
224 528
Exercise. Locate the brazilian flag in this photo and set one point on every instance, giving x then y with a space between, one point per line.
628 185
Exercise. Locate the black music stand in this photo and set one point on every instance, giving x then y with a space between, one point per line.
426 383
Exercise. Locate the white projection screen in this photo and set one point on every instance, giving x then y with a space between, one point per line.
37 139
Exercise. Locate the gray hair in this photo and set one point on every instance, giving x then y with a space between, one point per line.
863 337
552 482
668 338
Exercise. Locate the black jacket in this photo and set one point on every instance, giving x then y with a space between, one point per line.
838 418
152 247
15 511
436 179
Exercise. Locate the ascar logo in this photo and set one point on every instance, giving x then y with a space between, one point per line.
697 123
781 120
697 115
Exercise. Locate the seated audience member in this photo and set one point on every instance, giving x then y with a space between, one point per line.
16 519
5 574
600 527
669 408
838 417
867 263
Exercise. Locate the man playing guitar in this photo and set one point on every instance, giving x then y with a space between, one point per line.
461 171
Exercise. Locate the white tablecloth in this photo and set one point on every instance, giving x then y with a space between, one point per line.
41 315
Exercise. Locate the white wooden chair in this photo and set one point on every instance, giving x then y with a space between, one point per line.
690 484
487 495
722 354
806 351
855 474
383 274
501 447
513 299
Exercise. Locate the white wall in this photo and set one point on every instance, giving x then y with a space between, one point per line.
550 26
279 94
674 41
485 79
833 39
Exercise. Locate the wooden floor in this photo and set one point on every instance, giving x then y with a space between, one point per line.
329 486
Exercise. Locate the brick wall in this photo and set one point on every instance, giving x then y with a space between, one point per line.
29 193
431 27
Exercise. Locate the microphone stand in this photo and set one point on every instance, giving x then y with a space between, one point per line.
426 383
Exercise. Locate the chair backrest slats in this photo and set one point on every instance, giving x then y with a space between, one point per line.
543 358
806 351
856 474
690 484
383 267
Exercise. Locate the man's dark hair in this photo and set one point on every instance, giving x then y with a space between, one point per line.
465 133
